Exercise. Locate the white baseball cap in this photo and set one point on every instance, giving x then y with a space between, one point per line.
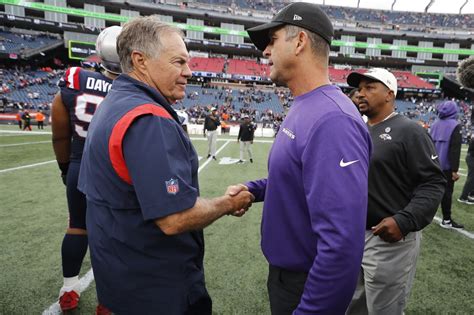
379 74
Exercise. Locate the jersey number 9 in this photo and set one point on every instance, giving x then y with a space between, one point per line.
86 104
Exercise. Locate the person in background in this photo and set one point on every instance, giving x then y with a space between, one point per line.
81 92
19 119
211 123
406 185
26 117
40 119
245 137
354 96
465 75
183 118
446 135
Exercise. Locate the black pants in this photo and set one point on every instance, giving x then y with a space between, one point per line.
40 125
285 289
469 184
448 195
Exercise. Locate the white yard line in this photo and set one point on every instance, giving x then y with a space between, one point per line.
23 143
24 133
210 159
226 139
462 231
84 282
25 166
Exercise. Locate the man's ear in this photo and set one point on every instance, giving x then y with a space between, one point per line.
390 96
139 61
302 42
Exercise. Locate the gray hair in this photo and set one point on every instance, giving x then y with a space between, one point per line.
318 45
142 34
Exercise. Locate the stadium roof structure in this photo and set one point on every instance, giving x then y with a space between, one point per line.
431 6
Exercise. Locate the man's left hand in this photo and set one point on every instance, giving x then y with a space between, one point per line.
388 230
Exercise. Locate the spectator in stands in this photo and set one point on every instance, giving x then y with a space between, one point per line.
465 75
245 137
406 185
26 117
312 230
81 91
40 119
446 135
140 174
210 128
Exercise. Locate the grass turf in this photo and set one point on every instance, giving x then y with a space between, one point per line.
33 217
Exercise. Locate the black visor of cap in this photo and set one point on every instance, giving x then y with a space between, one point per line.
306 15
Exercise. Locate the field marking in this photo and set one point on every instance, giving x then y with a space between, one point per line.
25 166
226 139
23 143
462 231
84 282
210 159
25 133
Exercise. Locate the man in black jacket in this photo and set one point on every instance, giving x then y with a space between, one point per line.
406 185
210 127
245 137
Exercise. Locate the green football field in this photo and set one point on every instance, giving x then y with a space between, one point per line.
33 218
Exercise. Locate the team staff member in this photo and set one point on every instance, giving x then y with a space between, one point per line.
447 138
26 117
139 173
81 91
315 196
19 119
40 119
245 137
211 123
406 185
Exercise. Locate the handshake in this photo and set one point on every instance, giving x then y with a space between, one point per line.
240 199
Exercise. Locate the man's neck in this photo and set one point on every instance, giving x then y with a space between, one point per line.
381 116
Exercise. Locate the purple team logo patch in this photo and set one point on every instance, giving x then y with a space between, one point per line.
172 186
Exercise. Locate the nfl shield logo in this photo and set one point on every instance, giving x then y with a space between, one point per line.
172 186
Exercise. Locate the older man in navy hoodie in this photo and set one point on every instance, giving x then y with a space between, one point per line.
446 134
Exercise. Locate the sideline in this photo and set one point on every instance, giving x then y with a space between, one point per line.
462 231
87 279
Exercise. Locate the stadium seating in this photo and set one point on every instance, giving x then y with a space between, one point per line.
15 43
460 21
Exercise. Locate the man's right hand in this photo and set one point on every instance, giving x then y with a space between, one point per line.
238 193
240 203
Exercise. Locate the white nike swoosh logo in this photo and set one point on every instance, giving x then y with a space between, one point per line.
344 164
434 157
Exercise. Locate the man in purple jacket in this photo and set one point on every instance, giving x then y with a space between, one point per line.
316 191
446 135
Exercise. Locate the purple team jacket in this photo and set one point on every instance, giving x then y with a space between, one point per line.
315 198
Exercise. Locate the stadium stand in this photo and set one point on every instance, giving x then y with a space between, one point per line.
18 43
464 21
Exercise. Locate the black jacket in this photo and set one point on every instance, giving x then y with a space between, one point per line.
246 132
405 177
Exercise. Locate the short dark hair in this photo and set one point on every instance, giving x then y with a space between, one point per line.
319 46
